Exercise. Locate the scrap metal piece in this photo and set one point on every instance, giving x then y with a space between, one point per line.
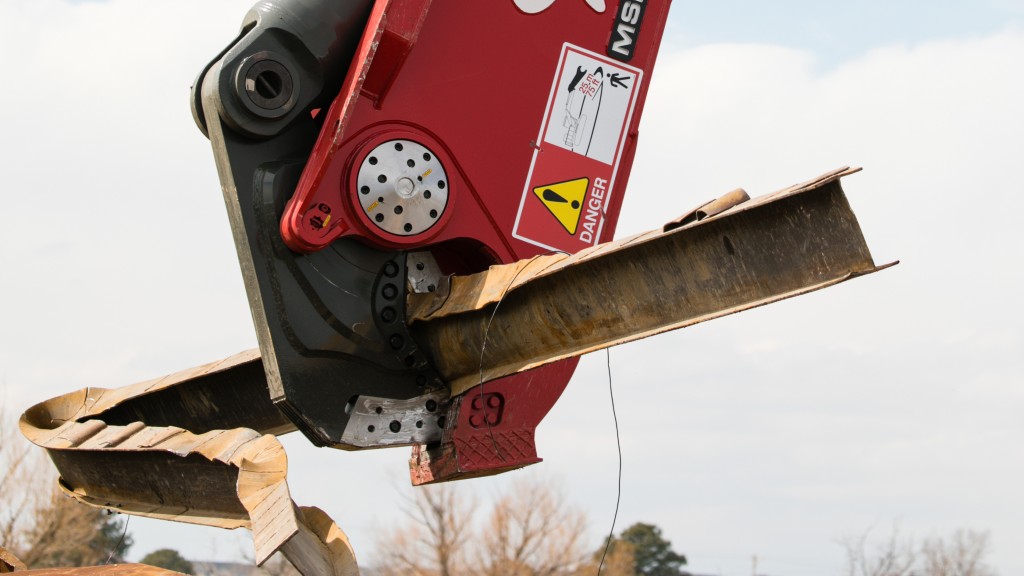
112 570
9 562
224 478
709 209
553 307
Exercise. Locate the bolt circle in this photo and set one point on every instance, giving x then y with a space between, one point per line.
402 177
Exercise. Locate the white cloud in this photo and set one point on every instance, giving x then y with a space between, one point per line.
771 432
896 395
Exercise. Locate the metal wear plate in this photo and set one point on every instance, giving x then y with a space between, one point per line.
380 422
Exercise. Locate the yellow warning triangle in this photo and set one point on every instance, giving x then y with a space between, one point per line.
565 201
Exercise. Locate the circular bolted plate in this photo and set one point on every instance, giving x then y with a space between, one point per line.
402 187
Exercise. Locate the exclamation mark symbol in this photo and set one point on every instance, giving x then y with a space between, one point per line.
552 196
564 201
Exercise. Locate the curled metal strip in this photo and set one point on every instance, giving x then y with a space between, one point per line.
227 478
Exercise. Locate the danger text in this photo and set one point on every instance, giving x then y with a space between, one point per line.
595 208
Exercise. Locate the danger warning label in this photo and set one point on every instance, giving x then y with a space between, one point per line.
565 201
580 145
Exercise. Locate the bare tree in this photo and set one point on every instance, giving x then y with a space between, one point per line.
433 541
38 523
962 555
63 533
531 531
620 561
20 466
895 556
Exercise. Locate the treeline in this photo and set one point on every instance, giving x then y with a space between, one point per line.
532 529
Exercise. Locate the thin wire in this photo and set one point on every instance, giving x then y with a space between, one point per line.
483 348
483 345
119 542
618 444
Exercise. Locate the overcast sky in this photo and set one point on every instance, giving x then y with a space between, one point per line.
897 397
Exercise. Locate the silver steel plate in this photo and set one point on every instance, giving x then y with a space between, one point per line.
379 422
402 187
424 273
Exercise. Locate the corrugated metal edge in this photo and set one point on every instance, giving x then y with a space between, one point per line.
64 424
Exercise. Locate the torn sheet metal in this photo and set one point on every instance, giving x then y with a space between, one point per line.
112 570
9 562
552 307
117 449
